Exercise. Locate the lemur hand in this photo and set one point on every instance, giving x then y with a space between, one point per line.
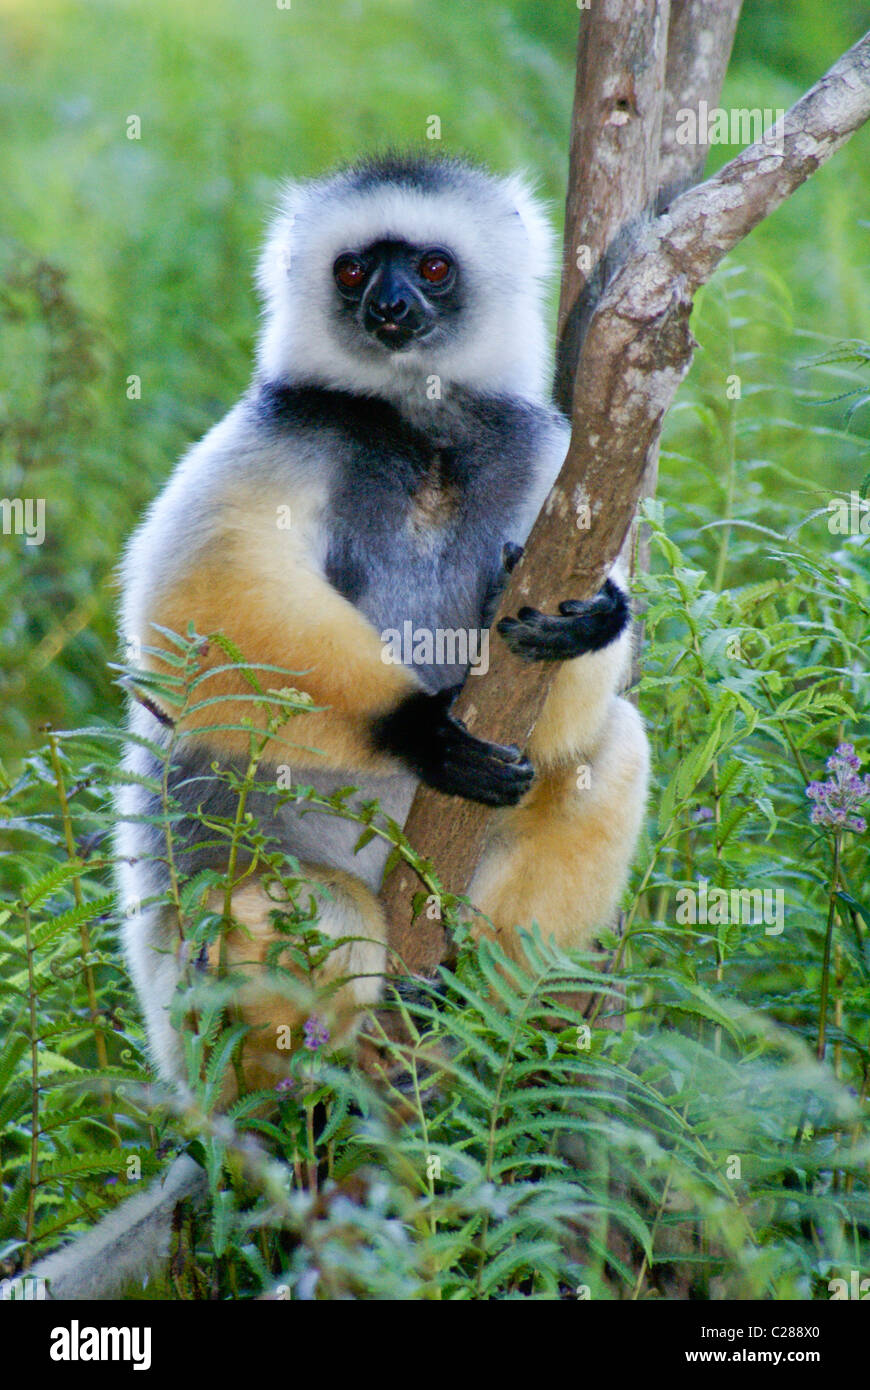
584 625
444 755
511 554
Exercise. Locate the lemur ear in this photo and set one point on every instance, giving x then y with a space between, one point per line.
532 212
276 258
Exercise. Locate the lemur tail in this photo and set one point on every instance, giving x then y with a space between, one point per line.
125 1247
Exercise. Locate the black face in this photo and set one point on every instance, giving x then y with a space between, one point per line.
397 293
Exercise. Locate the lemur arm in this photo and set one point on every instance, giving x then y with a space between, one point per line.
262 588
291 619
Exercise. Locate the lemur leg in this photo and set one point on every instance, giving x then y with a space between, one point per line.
561 858
346 909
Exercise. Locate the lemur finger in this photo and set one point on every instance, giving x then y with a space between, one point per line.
493 783
609 596
488 759
511 555
492 759
507 753
447 757
581 626
447 696
504 786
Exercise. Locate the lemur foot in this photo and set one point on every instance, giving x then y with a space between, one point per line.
583 625
421 995
443 754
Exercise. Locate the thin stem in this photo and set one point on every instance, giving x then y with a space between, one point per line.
34 1094
424 1127
90 984
829 937
857 1128
312 1156
255 755
722 561
495 1114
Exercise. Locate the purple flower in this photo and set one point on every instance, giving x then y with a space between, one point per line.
285 1084
316 1032
702 814
845 753
837 801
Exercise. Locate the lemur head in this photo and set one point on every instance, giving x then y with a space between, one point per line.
406 267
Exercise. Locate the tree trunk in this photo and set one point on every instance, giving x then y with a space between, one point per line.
625 322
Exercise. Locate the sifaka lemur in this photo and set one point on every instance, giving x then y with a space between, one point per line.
399 416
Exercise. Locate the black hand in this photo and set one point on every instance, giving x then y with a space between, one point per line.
444 755
584 625
511 554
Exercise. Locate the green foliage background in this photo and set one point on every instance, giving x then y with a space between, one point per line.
157 238
134 257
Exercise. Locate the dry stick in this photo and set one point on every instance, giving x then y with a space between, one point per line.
625 159
636 351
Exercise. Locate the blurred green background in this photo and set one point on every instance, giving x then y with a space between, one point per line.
125 258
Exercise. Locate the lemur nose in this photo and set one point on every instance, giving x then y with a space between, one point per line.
393 311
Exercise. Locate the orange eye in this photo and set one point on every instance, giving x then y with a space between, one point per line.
349 272
435 268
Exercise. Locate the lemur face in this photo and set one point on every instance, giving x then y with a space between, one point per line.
403 269
399 294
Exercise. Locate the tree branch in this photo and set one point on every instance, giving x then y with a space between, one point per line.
634 354
700 38
613 168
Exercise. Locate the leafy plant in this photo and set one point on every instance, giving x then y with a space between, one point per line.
516 1143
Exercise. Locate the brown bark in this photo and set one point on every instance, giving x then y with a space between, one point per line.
700 39
613 169
636 350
